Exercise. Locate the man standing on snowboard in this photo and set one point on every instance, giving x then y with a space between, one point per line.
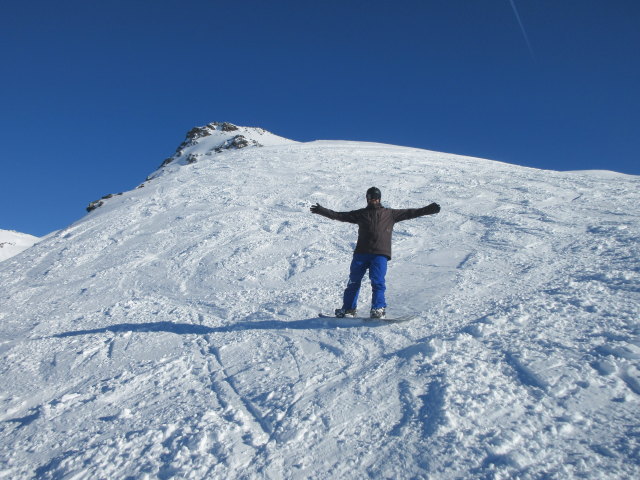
373 250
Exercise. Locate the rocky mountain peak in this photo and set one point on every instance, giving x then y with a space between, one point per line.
206 141
217 137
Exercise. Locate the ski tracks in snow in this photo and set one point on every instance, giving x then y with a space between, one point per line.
173 332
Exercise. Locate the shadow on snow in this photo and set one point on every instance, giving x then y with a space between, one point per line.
192 329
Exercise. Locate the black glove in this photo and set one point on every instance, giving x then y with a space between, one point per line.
316 208
433 208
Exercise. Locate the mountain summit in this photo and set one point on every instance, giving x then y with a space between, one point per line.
219 136
175 332
205 142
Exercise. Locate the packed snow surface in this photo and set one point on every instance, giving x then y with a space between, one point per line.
12 243
174 331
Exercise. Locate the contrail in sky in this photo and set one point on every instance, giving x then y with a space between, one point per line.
524 32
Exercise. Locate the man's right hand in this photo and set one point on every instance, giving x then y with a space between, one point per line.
316 208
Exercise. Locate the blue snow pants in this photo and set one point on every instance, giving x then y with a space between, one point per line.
377 266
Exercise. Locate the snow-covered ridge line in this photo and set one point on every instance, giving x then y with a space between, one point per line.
217 137
207 141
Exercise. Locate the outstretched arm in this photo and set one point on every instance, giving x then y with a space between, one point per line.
340 216
409 213
319 209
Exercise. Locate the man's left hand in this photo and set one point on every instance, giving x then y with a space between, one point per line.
433 208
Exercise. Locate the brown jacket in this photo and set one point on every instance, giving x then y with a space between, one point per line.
375 224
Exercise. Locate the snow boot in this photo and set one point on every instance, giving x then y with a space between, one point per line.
342 312
377 313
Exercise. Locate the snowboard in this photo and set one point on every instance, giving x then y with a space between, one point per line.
401 319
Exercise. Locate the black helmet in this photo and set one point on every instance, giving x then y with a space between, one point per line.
374 192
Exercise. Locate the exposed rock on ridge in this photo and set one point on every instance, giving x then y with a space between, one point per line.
217 137
206 141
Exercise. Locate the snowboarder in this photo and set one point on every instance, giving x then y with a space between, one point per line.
373 250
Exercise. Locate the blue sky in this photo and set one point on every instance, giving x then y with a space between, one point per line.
96 94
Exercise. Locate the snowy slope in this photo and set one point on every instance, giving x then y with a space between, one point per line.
12 243
173 332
